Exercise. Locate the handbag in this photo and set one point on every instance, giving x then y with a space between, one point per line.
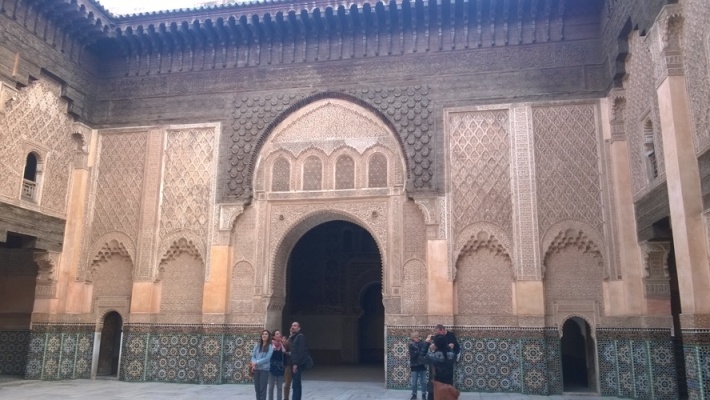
276 367
444 391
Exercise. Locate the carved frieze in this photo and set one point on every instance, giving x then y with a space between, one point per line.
48 263
656 279
405 111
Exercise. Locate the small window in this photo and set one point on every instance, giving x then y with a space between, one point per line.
344 173
377 171
280 176
30 178
312 173
649 149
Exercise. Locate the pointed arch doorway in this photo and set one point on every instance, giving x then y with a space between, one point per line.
110 345
578 356
334 289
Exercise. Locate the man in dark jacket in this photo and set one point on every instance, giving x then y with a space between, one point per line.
298 358
450 340
417 363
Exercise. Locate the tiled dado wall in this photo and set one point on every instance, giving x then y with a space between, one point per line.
187 353
632 363
60 351
13 352
696 346
492 360
636 363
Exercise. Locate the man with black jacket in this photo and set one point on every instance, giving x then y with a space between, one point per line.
450 340
298 358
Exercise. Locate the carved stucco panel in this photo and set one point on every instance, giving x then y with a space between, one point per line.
414 287
567 166
479 165
525 213
640 110
484 282
118 183
408 112
482 235
38 115
187 181
572 276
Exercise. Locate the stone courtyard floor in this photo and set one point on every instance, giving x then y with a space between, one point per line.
334 384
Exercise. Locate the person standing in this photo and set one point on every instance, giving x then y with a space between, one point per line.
277 366
441 359
417 354
298 358
287 363
260 362
450 340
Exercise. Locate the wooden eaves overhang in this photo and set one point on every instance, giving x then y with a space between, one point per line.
283 32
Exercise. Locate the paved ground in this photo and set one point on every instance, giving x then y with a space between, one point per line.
335 384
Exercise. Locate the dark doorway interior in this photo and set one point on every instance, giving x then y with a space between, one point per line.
334 289
578 364
110 347
372 322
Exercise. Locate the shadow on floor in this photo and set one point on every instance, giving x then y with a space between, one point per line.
347 373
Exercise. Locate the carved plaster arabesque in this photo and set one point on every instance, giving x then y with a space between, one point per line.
81 135
38 115
656 279
226 219
573 233
617 109
406 111
435 215
178 243
7 96
665 43
48 264
482 235
588 310
188 187
525 214
107 246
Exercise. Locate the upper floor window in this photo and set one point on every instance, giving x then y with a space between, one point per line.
280 175
377 171
344 173
312 173
30 179
649 149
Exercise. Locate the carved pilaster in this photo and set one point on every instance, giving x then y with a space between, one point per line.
434 210
81 135
666 43
228 213
525 231
146 259
47 261
654 256
618 109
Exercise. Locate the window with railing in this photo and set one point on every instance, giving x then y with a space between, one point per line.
30 178
650 151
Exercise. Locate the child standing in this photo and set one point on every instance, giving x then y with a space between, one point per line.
417 363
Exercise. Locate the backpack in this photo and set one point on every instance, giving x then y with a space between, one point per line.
277 364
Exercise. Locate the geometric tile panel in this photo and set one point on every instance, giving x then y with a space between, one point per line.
631 365
60 352
639 368
13 352
491 360
697 368
187 354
